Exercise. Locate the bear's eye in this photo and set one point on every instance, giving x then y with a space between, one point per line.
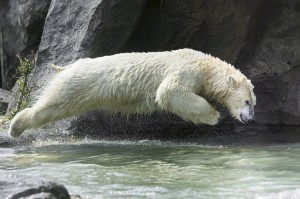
247 102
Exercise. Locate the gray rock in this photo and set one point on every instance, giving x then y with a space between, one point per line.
17 187
275 67
21 27
85 29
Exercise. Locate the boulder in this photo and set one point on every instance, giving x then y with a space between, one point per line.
17 187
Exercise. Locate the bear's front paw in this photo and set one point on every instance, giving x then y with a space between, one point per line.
214 116
211 117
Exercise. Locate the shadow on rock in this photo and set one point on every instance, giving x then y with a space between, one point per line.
168 127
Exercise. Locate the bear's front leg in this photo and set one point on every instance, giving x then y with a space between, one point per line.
184 102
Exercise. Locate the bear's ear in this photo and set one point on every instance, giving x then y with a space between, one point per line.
249 81
232 81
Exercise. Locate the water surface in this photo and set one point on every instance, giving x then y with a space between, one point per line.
155 169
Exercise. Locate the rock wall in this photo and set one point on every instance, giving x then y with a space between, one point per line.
260 37
274 65
21 27
85 29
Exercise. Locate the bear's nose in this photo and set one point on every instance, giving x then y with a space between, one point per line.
250 120
247 119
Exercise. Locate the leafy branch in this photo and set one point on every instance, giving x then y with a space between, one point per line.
25 87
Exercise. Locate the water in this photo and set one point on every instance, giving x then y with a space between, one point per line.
155 169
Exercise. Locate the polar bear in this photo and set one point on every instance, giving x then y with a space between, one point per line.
183 82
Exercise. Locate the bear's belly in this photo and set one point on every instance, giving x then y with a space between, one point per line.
141 105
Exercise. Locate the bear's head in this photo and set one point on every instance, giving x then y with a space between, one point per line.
241 98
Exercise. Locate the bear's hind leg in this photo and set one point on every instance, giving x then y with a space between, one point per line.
20 123
35 117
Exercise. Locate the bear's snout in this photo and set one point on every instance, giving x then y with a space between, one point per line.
247 119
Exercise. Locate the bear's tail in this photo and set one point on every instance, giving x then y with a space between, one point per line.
57 68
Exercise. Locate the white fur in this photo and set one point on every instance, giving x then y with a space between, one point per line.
182 82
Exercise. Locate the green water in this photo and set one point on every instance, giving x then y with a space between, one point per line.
154 169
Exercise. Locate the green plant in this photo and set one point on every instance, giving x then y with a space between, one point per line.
25 87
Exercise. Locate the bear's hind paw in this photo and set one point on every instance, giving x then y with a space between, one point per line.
14 132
